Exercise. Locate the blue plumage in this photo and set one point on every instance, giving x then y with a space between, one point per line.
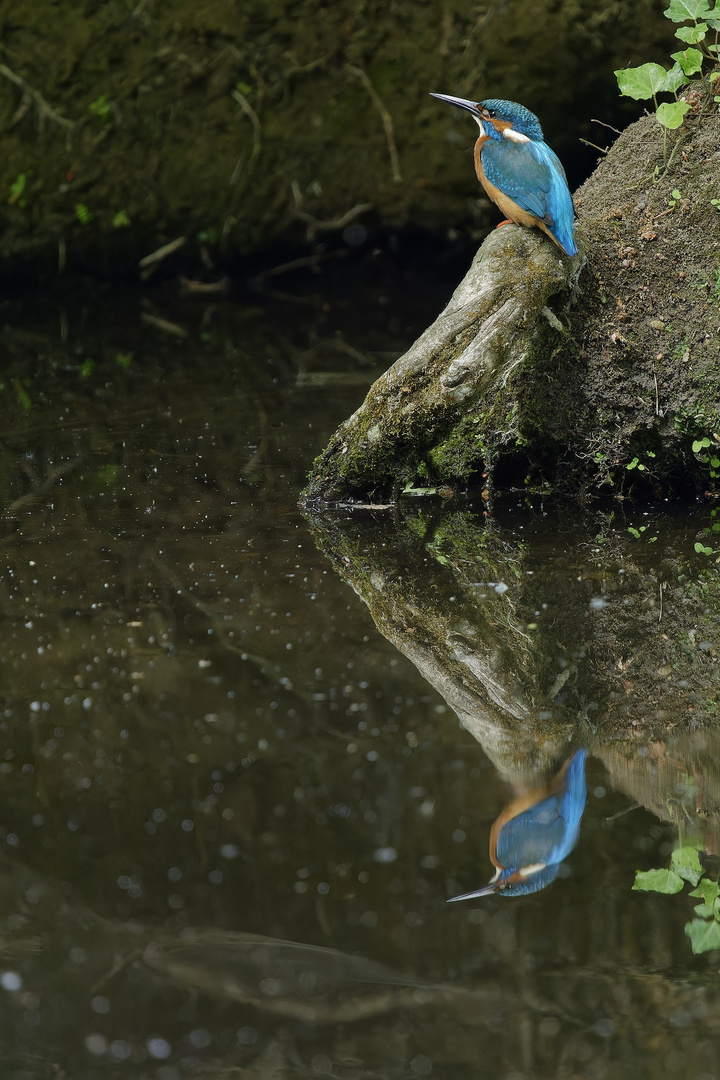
518 169
530 840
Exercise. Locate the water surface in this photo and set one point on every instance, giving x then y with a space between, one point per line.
237 793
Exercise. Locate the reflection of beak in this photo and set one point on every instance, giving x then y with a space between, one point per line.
485 891
459 103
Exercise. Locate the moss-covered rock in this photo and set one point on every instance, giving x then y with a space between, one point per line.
596 372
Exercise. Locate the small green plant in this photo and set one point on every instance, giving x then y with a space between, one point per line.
701 549
637 533
647 81
101 108
17 189
86 368
120 220
708 452
124 359
674 199
83 214
685 866
715 203
636 463
709 285
22 395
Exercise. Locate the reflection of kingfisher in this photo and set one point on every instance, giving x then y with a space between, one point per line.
518 170
535 833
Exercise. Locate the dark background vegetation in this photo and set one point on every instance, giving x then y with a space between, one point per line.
253 123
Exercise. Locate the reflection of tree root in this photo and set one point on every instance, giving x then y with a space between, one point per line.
358 73
30 94
40 485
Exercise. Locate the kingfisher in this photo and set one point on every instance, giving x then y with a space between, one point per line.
518 170
535 833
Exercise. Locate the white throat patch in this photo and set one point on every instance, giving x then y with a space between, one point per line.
514 136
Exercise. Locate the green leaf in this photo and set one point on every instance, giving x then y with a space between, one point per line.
703 911
672 113
83 214
692 34
703 935
22 395
641 82
685 861
680 10
700 444
702 550
661 881
709 890
690 60
674 79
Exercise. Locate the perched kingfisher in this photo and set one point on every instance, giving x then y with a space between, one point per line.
518 170
535 833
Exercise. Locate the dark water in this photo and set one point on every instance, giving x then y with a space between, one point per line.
233 809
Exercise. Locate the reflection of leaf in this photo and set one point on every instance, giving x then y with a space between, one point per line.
703 935
686 862
662 881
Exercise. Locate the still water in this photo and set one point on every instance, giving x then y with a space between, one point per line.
247 754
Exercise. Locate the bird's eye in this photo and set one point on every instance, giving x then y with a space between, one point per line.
490 113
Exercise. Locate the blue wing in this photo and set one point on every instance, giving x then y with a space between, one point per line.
548 831
531 174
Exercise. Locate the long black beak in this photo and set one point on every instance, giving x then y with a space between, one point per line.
486 890
459 103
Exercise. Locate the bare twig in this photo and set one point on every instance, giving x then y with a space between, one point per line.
608 126
657 395
315 225
164 325
30 93
257 137
358 73
595 146
162 252
312 261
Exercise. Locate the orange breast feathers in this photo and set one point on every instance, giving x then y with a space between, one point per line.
509 208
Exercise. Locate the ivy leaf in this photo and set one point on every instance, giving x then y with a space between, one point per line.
690 60
674 79
672 113
703 912
680 10
703 935
662 881
641 82
692 34
685 861
709 890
